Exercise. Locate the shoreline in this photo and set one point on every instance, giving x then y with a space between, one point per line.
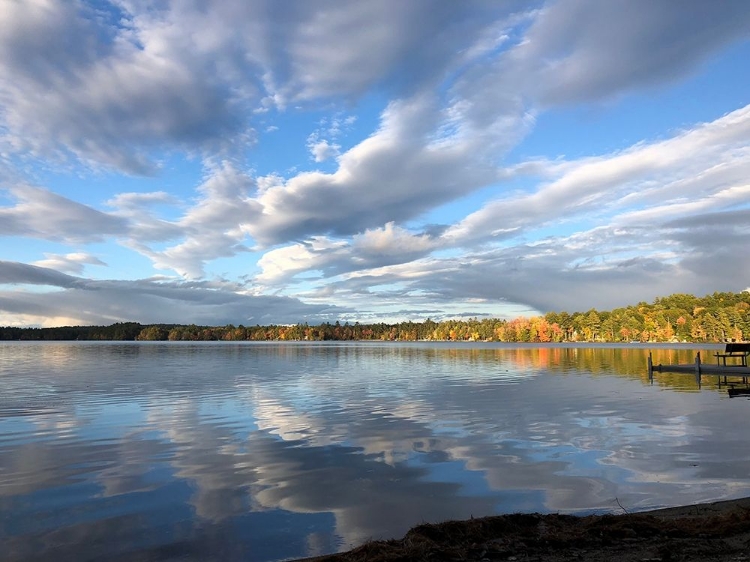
717 530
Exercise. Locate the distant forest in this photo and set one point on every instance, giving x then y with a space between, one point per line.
680 317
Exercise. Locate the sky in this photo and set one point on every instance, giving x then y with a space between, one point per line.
263 162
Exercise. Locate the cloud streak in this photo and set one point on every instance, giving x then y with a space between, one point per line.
79 300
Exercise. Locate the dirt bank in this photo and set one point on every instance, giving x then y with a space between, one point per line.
716 531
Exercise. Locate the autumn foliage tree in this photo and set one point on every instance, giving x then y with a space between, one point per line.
676 318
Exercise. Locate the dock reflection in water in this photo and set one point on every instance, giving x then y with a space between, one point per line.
730 371
263 452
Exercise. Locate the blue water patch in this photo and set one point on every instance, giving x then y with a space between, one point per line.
82 503
471 482
106 420
278 534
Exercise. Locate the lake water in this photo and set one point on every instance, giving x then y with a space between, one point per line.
224 451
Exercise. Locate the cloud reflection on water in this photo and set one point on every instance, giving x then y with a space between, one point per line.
311 448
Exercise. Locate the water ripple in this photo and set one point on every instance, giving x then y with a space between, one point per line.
148 451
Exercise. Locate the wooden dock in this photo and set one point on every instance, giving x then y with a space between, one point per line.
739 374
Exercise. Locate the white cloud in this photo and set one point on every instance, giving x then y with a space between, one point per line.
68 263
40 213
138 202
105 93
390 240
586 50
322 150
390 176
212 227
107 90
709 162
371 249
666 216
281 264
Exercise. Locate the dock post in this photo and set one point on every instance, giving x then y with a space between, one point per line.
698 368
650 368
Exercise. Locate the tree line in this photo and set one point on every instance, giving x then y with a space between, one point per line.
677 318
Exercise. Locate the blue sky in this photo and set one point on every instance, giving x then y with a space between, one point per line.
255 162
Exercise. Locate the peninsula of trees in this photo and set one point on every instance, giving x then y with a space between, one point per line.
677 318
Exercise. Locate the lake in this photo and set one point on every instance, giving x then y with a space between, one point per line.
257 452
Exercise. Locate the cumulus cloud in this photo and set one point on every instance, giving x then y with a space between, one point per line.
666 216
329 257
426 153
322 150
391 240
283 263
106 90
605 267
394 175
634 192
212 227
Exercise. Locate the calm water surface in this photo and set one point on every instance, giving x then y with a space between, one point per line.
156 451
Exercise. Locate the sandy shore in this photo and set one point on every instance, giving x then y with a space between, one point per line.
713 531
